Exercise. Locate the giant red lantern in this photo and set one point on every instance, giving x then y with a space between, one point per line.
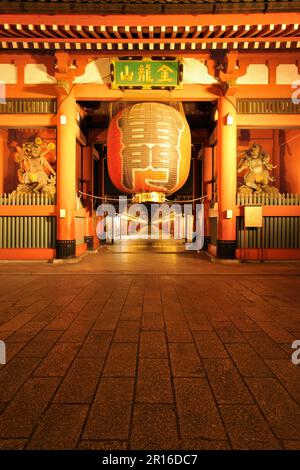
149 151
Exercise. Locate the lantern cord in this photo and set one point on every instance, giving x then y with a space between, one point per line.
187 201
105 198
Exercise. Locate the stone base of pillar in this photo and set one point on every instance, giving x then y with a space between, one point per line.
226 249
89 240
206 242
65 249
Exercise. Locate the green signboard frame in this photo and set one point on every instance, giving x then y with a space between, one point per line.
146 73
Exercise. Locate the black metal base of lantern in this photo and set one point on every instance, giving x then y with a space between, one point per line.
65 249
89 240
205 243
226 249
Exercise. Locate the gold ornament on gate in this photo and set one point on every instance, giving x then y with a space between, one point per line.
35 174
257 178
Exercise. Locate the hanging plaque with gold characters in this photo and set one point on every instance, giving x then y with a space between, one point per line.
146 73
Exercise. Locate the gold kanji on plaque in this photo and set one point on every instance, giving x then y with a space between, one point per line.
126 75
144 73
165 71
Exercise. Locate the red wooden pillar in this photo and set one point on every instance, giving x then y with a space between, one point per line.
88 178
66 177
227 175
276 160
207 176
3 156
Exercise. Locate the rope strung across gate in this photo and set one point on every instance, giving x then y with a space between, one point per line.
106 198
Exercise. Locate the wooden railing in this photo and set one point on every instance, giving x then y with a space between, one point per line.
268 200
26 200
27 232
277 232
29 106
267 106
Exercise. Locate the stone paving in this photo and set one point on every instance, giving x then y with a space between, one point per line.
148 351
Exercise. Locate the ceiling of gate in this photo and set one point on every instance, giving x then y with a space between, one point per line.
199 114
146 6
135 33
149 25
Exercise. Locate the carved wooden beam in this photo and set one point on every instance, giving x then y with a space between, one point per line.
67 68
